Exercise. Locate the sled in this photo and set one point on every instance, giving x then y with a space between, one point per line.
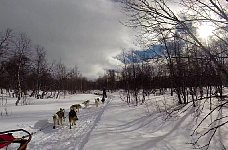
7 138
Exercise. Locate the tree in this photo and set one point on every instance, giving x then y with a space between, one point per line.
5 43
40 69
60 74
22 50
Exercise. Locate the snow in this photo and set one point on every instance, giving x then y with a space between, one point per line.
113 125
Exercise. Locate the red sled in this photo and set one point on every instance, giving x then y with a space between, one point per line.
7 138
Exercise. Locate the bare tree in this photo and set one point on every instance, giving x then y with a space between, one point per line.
60 76
5 39
22 49
40 68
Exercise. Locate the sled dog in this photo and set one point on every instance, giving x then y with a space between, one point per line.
72 117
76 107
58 117
86 103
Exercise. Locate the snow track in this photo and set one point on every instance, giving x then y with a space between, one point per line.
85 139
63 137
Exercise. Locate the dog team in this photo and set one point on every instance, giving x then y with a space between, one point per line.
59 118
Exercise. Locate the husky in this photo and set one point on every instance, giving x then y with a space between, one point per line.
58 117
72 117
86 103
76 107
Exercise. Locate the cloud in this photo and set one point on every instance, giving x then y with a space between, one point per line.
85 33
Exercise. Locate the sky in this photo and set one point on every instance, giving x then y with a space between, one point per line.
85 33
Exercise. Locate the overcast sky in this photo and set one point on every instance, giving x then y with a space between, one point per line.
86 33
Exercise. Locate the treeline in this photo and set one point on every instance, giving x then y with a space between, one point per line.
181 68
24 67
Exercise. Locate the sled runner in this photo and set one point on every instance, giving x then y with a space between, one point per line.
7 138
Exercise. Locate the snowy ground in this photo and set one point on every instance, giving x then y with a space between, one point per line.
113 125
